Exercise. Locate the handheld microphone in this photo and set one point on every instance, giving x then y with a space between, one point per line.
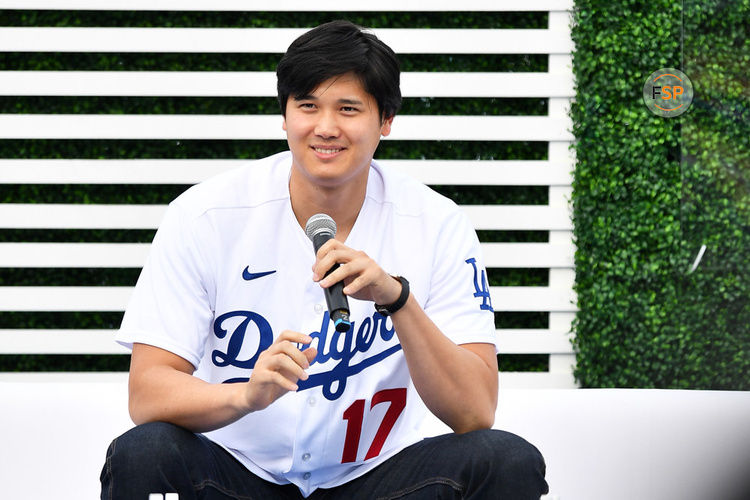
321 228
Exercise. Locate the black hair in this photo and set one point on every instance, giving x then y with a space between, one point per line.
333 49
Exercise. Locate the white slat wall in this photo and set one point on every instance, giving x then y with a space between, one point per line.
556 172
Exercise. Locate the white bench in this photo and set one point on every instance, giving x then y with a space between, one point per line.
599 444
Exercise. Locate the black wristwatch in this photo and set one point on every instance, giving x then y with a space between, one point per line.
387 310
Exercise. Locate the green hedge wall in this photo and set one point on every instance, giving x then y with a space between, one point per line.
121 149
649 191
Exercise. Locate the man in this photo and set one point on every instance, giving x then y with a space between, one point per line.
230 337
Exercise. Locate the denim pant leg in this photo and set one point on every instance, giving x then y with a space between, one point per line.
479 465
164 458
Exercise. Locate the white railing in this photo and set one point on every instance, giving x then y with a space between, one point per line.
556 85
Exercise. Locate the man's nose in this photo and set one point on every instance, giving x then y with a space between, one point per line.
327 125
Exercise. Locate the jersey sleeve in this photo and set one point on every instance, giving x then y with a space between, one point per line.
459 301
170 306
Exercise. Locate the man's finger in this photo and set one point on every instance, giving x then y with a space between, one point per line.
283 382
294 337
292 351
324 264
288 368
328 246
310 354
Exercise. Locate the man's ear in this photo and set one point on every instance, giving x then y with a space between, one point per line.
283 123
385 128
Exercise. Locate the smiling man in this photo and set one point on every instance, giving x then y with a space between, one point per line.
240 386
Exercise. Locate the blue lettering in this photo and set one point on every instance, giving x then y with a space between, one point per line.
333 382
341 372
385 332
237 337
484 291
340 346
345 351
364 339
236 380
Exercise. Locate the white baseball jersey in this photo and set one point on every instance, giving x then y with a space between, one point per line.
230 269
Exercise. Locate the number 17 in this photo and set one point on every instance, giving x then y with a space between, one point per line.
354 415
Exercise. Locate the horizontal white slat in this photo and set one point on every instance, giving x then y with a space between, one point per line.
64 298
526 255
102 342
277 40
532 298
120 378
59 342
518 217
268 127
523 341
112 171
73 254
425 84
562 362
58 216
245 84
104 298
55 216
289 5
456 172
511 255
540 380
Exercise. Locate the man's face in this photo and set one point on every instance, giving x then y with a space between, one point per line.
333 132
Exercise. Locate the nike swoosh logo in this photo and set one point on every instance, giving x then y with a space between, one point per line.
248 276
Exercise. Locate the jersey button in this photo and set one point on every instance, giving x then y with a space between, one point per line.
305 457
306 475
311 401
318 308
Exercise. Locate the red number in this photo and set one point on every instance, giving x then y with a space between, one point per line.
397 397
354 415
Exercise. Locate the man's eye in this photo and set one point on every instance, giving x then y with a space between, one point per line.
307 105
348 109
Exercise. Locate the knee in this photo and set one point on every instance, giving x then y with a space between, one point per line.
508 455
150 457
148 446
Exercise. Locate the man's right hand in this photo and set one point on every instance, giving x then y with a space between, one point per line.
162 387
278 369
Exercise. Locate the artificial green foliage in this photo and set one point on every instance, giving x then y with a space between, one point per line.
255 105
249 149
70 319
716 195
649 191
65 362
252 19
78 235
128 61
241 149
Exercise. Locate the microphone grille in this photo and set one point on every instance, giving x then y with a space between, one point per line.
320 223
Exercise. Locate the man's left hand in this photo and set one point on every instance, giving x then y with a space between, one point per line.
363 278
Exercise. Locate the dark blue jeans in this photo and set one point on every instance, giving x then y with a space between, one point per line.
163 458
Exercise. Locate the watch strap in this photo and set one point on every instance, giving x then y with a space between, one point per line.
388 309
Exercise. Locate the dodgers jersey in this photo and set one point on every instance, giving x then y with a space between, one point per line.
230 269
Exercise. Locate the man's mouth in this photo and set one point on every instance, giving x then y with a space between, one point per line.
327 150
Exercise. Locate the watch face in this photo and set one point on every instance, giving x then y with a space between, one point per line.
382 310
